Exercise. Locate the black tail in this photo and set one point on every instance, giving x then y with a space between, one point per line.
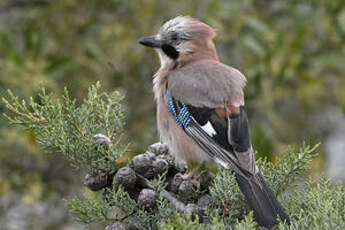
262 201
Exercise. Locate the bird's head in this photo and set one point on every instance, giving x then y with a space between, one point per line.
182 40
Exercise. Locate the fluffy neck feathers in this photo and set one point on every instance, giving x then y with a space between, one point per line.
199 47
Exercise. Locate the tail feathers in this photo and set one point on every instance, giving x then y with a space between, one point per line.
262 201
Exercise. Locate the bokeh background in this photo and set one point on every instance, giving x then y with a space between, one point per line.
292 52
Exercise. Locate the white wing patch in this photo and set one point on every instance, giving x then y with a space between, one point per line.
208 128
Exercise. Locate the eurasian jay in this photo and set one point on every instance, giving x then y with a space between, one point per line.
200 110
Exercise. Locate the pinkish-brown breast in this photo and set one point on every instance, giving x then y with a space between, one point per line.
181 146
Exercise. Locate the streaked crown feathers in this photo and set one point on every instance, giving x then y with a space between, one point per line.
186 28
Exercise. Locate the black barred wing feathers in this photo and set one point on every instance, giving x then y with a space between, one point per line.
209 129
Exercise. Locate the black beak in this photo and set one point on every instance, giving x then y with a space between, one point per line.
150 42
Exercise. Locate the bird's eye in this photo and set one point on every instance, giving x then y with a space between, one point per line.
174 37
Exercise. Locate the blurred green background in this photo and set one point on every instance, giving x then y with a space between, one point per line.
292 52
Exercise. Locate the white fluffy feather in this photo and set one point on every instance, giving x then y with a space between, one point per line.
164 59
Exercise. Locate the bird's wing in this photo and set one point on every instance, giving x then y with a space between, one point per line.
207 84
209 107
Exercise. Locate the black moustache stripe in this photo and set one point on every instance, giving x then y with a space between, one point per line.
170 51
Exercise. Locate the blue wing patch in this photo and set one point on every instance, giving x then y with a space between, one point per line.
181 115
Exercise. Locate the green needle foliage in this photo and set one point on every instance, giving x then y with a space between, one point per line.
66 127
286 171
228 199
115 205
319 206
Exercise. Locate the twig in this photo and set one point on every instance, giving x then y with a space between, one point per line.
180 206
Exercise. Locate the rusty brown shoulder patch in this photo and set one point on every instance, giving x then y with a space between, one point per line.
233 109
